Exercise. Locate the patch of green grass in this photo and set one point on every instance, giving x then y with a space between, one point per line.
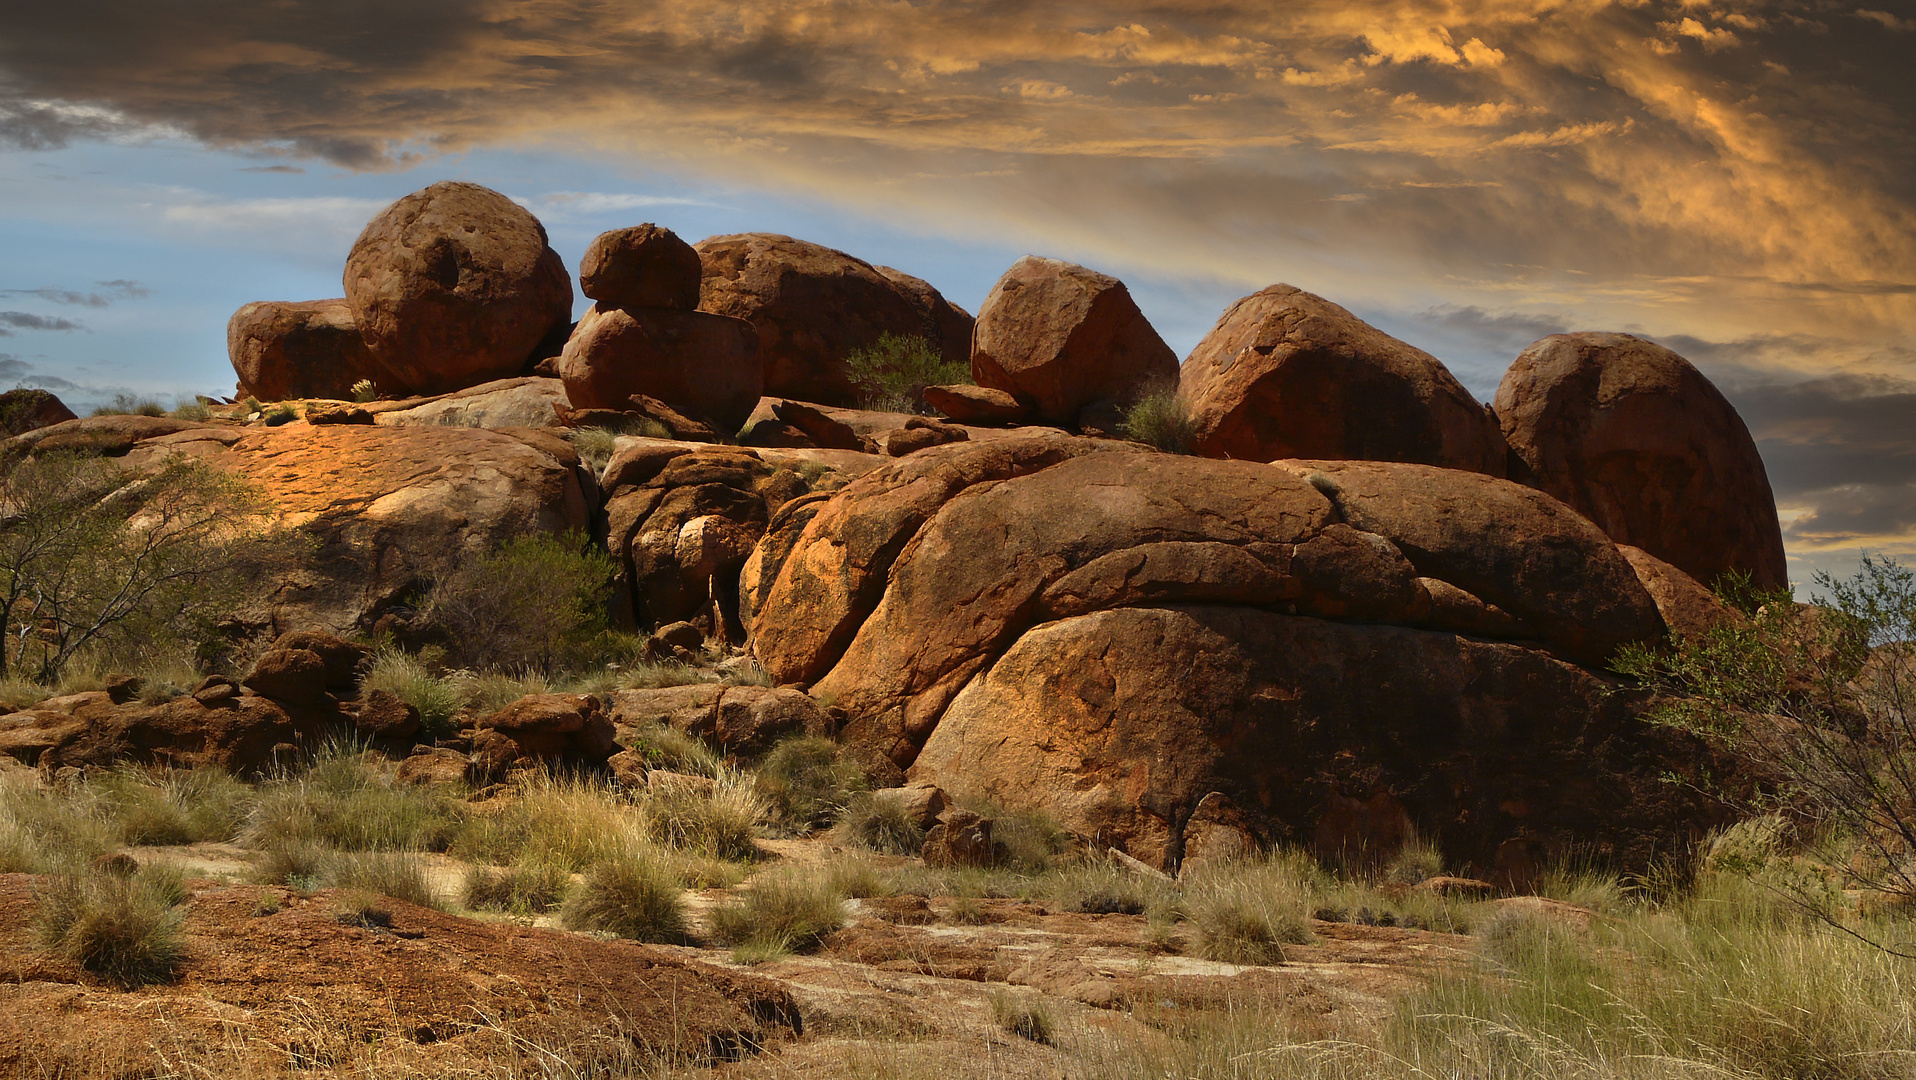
347 802
125 929
1101 886
791 907
566 822
807 783
666 747
633 895
45 831
396 874
174 806
128 405
195 411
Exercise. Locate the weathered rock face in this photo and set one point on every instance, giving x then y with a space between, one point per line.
1635 438
282 350
1121 722
706 364
646 266
455 285
542 729
1058 337
921 584
812 305
1688 609
975 404
504 403
741 720
23 410
1285 373
389 506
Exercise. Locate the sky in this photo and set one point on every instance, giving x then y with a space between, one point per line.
1735 180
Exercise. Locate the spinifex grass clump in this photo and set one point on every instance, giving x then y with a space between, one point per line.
785 910
807 783
880 825
632 894
528 886
1162 419
174 806
125 928
1246 912
716 819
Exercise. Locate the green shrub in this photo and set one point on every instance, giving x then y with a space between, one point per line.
1161 419
527 886
807 783
195 411
126 929
633 895
538 603
786 909
1416 861
364 391
892 372
127 404
719 822
405 677
879 825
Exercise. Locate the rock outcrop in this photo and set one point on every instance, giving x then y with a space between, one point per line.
1058 337
1635 438
1080 593
1286 374
455 285
705 364
216 726
23 410
812 305
310 349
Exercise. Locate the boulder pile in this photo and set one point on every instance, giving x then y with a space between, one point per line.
1366 605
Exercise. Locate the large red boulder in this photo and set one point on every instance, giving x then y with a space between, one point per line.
1635 438
705 364
646 266
1058 337
813 305
312 349
455 285
1285 374
23 410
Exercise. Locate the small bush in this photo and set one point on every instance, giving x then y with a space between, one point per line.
484 693
792 909
297 863
1102 887
892 373
346 803
1025 1017
125 929
807 783
878 825
632 895
538 603
127 404
1161 419
279 415
527 886
1245 913
720 822
366 910
407 678
399 875
364 391
595 446
195 411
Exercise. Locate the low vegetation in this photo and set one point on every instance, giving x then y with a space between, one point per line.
1162 419
122 926
781 911
632 894
891 373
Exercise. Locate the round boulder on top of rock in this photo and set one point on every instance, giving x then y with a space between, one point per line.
812 305
1058 337
455 285
646 266
1285 373
312 349
705 364
1635 438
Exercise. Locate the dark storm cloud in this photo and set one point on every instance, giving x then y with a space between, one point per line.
1841 449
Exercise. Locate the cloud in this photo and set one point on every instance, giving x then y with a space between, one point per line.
291 170
25 320
115 290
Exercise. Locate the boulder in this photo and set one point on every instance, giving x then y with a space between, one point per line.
1689 610
706 364
1288 374
961 838
384 717
921 804
434 765
812 305
23 410
1636 439
744 721
387 508
526 402
312 349
455 285
967 404
1058 337
656 492
103 436
245 735
342 659
543 728
646 266
290 675
1216 835
1122 722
